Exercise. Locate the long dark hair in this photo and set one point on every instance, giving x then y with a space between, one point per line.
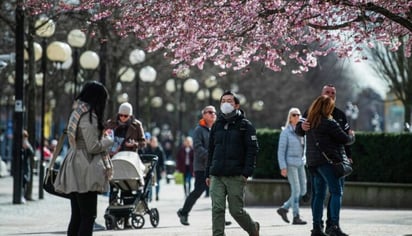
95 94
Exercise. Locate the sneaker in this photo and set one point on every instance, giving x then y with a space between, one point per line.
335 230
183 218
283 213
298 221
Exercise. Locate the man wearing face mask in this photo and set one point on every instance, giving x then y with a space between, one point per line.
233 148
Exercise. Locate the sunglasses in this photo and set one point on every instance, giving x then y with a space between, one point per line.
122 115
210 112
295 115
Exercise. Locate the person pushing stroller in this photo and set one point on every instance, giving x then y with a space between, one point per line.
128 135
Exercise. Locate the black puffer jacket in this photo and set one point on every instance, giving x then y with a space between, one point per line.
233 147
337 115
331 138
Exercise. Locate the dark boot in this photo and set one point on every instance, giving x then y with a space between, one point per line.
335 230
283 213
317 231
182 217
298 221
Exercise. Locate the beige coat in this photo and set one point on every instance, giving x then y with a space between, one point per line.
82 169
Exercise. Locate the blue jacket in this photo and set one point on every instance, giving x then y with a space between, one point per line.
290 149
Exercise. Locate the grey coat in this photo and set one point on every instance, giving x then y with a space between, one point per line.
82 169
200 147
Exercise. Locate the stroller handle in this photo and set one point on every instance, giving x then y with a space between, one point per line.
148 157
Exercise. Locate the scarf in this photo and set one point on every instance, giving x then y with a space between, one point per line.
228 117
79 108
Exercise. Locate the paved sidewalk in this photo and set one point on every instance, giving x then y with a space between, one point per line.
50 216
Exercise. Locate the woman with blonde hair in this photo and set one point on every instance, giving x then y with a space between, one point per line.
326 135
292 161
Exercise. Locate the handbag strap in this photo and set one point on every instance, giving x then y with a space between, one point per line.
57 151
320 150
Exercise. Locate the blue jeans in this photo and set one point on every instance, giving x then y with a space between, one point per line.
187 181
297 181
323 176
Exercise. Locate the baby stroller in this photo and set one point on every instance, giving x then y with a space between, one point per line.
133 177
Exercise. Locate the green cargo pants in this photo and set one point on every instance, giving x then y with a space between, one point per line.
232 187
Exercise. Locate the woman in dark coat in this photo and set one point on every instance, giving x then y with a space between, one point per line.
325 134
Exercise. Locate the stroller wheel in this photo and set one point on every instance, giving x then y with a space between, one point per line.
120 223
154 217
137 221
110 222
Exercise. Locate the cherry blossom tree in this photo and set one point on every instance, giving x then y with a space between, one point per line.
234 33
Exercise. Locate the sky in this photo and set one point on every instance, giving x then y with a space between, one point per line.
368 78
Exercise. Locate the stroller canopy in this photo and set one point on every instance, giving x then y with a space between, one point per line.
127 165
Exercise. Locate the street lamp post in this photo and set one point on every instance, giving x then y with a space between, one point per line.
44 29
76 38
210 82
136 57
189 85
148 75
56 52
18 108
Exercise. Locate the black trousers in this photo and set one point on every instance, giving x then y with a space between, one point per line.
84 211
200 187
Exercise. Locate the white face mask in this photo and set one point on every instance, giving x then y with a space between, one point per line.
226 108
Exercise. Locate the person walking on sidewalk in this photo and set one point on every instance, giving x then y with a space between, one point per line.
292 161
81 174
155 148
184 163
200 145
128 135
28 155
233 147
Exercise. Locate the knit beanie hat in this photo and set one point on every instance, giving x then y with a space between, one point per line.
126 109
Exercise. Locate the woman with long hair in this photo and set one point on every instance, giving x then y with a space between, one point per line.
326 135
83 174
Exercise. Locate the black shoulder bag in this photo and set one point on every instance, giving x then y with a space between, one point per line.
51 173
342 168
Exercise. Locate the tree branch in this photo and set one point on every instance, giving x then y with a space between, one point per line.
369 7
400 20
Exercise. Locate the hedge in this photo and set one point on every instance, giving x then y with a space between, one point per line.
377 157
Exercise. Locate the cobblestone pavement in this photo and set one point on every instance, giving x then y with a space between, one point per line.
50 216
